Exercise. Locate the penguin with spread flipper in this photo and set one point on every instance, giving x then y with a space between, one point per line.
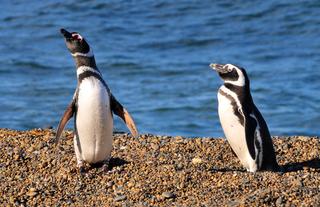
92 107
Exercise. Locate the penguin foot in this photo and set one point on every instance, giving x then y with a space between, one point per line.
105 165
81 167
82 170
105 168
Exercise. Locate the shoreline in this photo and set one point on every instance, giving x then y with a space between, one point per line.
154 171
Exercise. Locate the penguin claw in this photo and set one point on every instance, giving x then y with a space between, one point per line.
82 170
105 167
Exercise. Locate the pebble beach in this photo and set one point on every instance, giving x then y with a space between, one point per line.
154 171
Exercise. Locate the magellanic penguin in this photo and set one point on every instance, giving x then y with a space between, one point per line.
242 123
92 106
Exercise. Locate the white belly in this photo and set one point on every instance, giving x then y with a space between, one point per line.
235 132
94 121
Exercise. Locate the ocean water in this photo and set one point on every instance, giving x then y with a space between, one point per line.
154 55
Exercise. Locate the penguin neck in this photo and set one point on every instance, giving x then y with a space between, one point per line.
85 61
243 92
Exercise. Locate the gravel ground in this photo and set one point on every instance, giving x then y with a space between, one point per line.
154 171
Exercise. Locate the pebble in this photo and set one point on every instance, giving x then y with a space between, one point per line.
297 183
167 195
154 146
32 192
196 161
179 166
279 201
110 184
120 198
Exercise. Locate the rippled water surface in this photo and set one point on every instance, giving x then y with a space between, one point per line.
155 55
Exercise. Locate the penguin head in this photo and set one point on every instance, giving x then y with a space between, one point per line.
76 44
231 74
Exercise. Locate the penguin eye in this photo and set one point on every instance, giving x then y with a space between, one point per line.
229 69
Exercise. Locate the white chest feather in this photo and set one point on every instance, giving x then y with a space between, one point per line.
233 130
94 121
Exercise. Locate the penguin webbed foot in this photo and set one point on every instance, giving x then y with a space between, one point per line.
81 167
105 166
82 170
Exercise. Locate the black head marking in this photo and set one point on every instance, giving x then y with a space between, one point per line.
229 76
75 42
232 74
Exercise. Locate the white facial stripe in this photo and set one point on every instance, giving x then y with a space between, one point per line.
229 67
234 96
83 69
88 54
259 140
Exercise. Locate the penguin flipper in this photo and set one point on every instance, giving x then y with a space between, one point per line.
65 118
120 111
250 128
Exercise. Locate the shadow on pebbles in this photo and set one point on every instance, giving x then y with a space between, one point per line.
154 171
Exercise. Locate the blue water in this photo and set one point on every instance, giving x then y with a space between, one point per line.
155 55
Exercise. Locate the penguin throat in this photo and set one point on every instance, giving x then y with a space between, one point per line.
83 69
88 54
84 61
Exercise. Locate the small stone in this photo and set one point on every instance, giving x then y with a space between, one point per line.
179 166
234 203
178 139
123 147
12 200
196 160
154 146
32 193
167 195
297 183
130 184
69 201
110 184
120 198
16 157
279 201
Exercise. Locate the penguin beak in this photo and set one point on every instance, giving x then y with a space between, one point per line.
219 68
66 34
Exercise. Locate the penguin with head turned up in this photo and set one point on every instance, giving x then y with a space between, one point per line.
92 106
242 123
